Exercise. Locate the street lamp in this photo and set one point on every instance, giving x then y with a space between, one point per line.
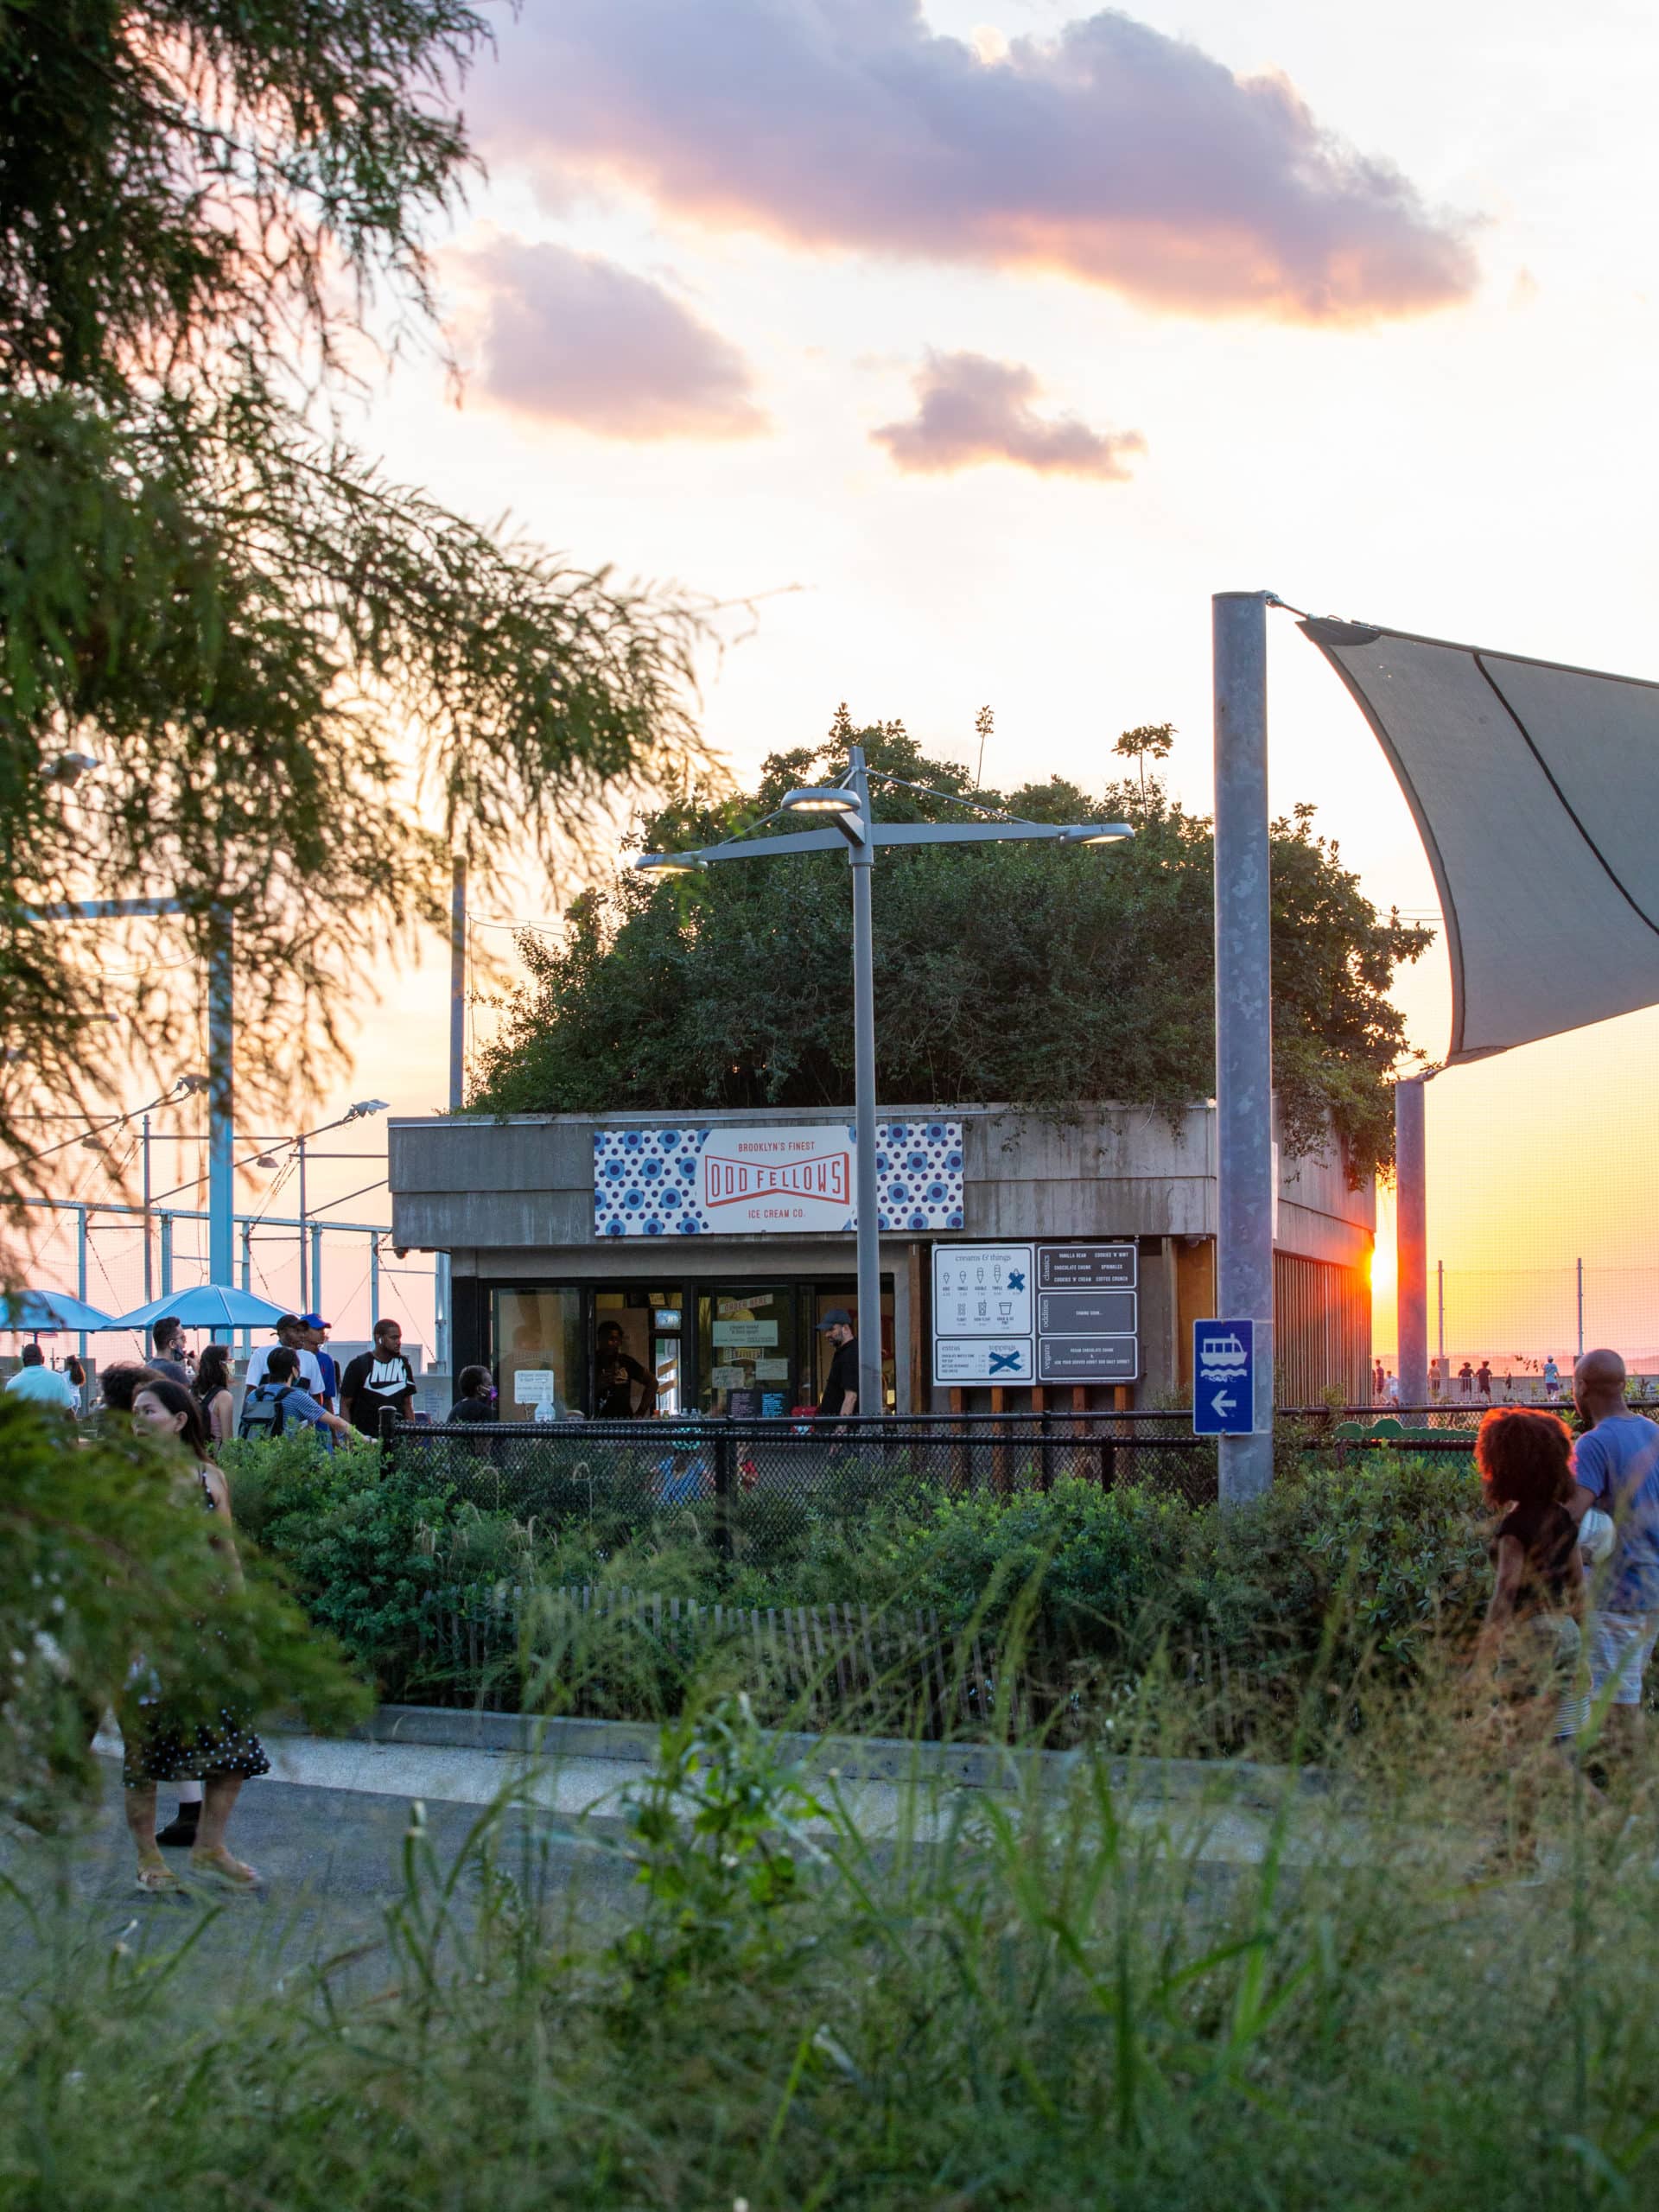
847 807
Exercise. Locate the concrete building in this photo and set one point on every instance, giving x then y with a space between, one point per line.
715 1243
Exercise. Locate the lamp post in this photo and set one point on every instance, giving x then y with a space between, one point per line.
847 806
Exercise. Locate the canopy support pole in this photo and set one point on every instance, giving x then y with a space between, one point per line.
1411 1239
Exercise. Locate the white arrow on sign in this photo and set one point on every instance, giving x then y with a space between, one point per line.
1223 1403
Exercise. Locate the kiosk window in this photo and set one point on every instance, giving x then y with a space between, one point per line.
541 1358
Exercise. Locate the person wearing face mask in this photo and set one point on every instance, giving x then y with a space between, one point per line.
165 1745
477 1399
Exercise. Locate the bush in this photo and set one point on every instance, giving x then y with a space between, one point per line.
105 1553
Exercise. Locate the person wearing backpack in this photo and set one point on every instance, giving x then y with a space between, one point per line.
281 1401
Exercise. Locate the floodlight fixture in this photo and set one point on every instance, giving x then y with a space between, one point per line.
819 798
1097 832
361 1106
669 863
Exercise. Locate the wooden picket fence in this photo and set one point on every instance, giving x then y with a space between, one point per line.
829 1665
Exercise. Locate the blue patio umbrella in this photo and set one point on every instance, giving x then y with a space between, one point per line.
29 1312
204 1306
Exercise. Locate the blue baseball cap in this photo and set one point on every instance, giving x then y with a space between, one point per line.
312 1322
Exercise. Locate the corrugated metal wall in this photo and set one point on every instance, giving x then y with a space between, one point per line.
1324 1316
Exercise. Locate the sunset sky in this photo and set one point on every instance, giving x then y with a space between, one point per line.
1007 335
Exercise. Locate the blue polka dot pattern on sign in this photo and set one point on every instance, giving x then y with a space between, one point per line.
645 1181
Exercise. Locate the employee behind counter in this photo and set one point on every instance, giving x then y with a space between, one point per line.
616 1375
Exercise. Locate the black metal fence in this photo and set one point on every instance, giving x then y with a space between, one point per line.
732 1473
739 1471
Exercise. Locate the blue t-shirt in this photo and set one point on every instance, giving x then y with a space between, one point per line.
299 1408
46 1386
1617 1462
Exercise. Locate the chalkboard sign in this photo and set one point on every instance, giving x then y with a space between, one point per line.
1087 1267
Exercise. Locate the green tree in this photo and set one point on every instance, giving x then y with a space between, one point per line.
1036 974
302 685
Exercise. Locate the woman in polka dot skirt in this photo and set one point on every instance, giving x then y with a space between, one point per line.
163 1745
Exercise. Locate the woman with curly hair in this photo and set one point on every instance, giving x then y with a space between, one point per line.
1533 1634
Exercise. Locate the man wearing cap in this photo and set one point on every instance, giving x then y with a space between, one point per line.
316 1338
291 1331
841 1386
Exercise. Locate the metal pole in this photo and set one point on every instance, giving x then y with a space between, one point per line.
80 1266
442 1276
167 1253
314 1304
247 1275
1244 1017
150 1287
221 1101
1411 1239
305 1303
1439 1309
871 1399
374 1282
1580 1269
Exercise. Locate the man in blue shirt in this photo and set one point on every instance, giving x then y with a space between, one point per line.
1616 1463
299 1409
43 1384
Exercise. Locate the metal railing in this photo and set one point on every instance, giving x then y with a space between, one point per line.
735 1471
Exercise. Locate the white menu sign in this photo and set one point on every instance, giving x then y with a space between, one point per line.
982 1312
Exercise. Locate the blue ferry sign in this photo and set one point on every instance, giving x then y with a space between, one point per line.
1224 1378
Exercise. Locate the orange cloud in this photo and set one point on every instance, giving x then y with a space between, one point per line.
973 409
1112 153
569 337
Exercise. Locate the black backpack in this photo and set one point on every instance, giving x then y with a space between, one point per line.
263 1413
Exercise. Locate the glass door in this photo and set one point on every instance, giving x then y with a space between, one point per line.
746 1353
638 1365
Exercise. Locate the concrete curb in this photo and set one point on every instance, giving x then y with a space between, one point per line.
867 1758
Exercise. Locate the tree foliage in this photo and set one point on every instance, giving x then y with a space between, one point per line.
1035 974
304 685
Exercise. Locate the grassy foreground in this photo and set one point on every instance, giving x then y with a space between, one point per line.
1039 2001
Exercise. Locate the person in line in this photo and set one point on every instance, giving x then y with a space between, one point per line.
42 1385
840 1397
315 1341
1532 1639
282 1402
292 1335
1378 1376
1484 1380
1466 1380
378 1378
477 1399
118 1386
167 1355
615 1374
1551 1379
1616 1464
163 1744
216 1395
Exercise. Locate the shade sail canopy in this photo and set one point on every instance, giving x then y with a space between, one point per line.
1532 785
31 1311
204 1306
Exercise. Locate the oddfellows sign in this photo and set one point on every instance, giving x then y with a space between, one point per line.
792 1180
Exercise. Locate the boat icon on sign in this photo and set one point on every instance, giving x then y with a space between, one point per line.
1223 1355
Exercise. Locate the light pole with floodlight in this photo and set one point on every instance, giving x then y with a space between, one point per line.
847 805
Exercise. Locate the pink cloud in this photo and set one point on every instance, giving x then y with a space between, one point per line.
1112 153
569 337
972 410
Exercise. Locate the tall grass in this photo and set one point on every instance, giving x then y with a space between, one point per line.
1078 1992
